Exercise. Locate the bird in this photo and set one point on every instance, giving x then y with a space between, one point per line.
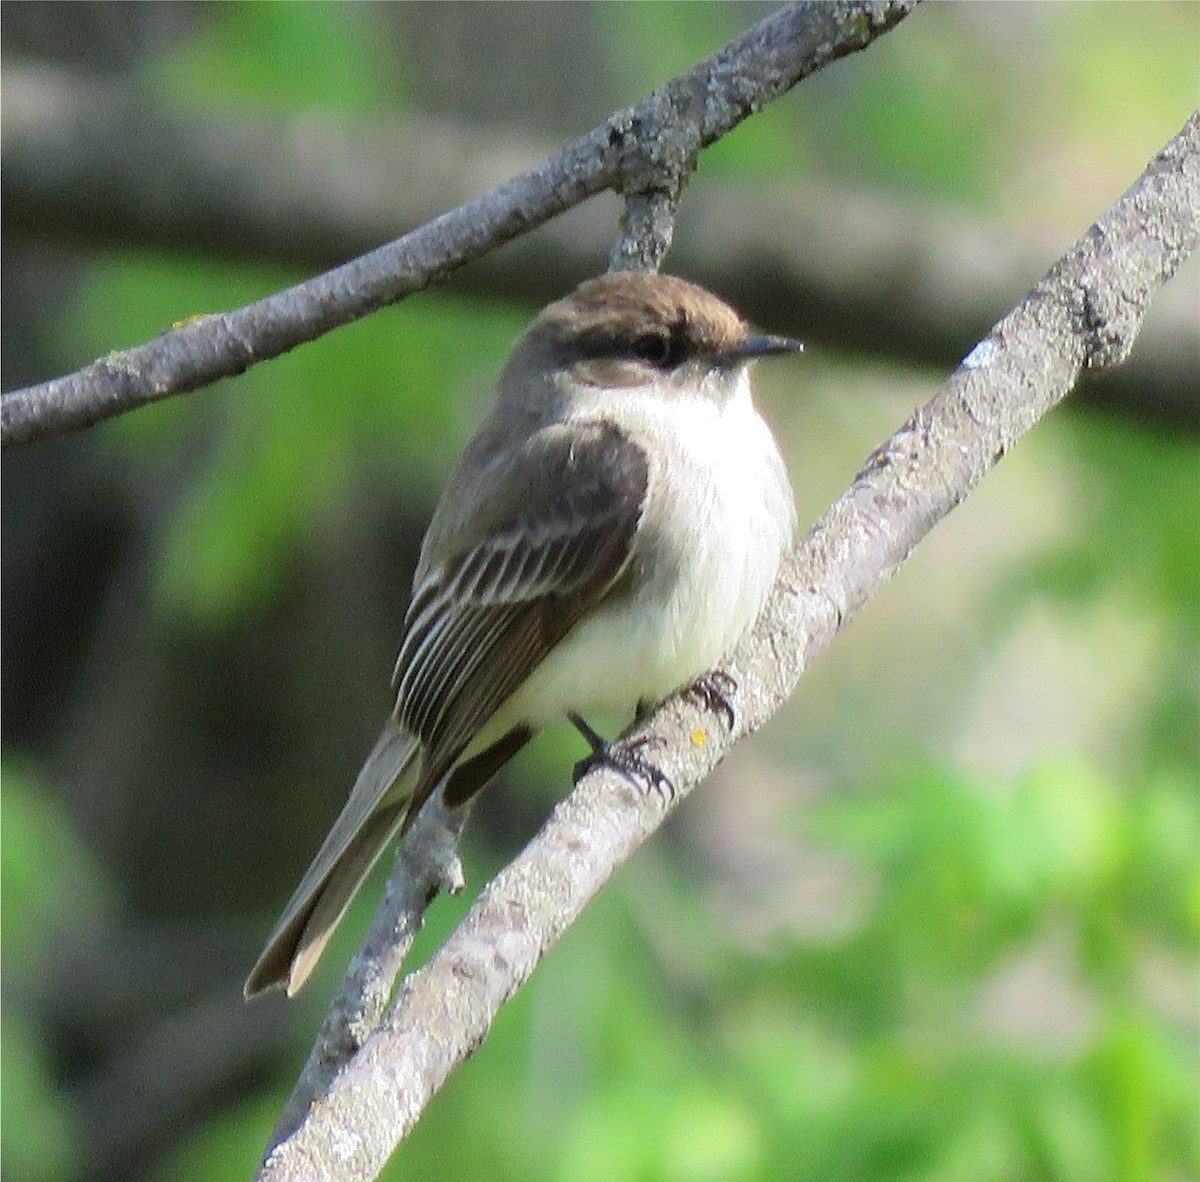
610 533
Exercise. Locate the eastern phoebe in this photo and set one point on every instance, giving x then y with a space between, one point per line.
610 533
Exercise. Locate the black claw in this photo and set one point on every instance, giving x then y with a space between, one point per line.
712 690
626 758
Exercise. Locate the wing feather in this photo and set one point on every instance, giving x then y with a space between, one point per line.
486 615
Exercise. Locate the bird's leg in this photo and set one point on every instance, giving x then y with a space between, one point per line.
626 758
712 690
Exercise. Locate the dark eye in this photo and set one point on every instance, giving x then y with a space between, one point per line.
652 347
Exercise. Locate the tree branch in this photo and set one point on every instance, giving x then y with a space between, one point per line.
714 97
1085 313
866 273
427 865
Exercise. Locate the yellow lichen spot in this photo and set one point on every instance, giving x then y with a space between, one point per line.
195 316
699 737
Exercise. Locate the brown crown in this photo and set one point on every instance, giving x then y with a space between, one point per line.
624 303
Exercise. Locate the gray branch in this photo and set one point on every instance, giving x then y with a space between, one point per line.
427 865
871 274
1085 313
658 138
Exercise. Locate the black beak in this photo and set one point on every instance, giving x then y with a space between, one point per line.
754 347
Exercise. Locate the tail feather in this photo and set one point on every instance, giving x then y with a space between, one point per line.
372 816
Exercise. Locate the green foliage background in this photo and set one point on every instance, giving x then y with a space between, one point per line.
1005 987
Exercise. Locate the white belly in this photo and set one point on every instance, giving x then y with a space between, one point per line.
686 607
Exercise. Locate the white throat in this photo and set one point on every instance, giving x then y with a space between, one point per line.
718 519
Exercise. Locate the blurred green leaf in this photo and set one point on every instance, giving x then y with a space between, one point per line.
50 884
1143 1083
227 1146
1137 538
41 1142
48 878
284 57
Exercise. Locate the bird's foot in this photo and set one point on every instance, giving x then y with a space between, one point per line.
626 758
713 690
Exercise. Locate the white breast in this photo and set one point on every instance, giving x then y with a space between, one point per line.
693 598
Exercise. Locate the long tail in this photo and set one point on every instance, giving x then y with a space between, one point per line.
373 814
